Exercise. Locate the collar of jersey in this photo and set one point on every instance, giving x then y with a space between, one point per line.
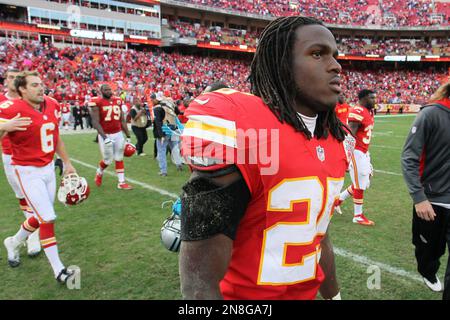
444 102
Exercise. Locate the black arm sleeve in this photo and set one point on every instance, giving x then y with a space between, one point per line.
209 209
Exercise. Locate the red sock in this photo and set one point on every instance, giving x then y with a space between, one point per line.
48 243
120 166
103 165
47 235
350 190
358 196
31 224
24 205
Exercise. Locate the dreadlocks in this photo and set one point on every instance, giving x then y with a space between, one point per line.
272 79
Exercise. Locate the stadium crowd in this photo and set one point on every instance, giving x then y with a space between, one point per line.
438 46
71 73
352 12
223 35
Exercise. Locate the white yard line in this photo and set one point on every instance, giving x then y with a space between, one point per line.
388 172
397 115
141 184
385 147
366 261
71 132
339 251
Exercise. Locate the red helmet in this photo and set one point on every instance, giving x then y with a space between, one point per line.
129 149
73 189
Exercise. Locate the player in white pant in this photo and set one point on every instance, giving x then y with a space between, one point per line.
32 158
360 122
33 244
108 119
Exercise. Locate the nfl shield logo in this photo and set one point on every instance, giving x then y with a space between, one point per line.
320 153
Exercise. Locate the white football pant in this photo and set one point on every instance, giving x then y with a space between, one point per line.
38 185
114 150
11 176
360 170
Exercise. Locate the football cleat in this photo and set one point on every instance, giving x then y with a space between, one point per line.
33 244
98 179
12 247
337 205
435 286
64 275
124 186
362 220
73 189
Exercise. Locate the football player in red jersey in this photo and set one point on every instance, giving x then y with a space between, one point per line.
108 120
263 220
32 159
65 112
33 244
342 109
360 121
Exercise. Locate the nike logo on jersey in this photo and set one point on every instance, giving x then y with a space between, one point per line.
202 102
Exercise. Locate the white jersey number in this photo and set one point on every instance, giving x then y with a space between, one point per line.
274 270
368 136
112 112
47 144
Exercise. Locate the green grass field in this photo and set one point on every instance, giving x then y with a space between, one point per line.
114 236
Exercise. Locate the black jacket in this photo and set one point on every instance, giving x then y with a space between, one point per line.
77 112
159 115
427 148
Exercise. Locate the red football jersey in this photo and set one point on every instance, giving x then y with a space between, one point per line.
342 111
293 183
6 143
364 134
65 108
110 112
35 146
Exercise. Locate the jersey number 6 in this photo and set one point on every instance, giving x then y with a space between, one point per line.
47 145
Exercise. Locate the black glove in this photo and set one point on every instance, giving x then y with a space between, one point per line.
60 165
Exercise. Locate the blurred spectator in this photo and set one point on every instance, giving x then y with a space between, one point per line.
139 126
78 116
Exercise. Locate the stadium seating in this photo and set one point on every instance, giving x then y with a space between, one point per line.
351 12
71 73
345 45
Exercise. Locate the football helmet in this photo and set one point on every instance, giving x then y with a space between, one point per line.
73 189
129 149
171 233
